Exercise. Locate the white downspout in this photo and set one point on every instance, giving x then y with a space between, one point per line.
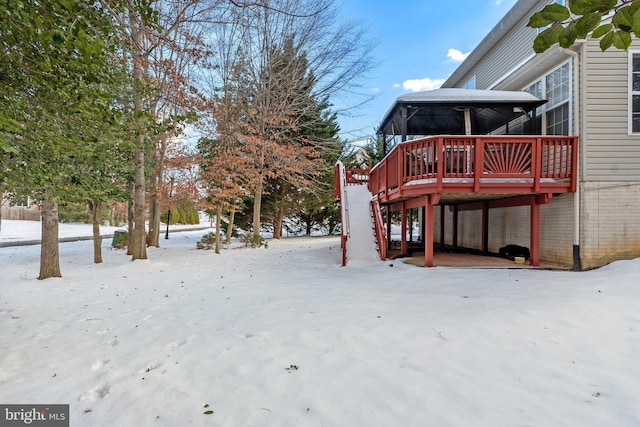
578 69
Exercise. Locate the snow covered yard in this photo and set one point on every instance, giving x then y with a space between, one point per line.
284 336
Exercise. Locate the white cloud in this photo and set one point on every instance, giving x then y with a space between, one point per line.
396 85
418 85
456 56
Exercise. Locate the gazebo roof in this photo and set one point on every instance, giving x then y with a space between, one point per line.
442 111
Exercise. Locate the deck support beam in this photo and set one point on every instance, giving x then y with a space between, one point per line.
429 202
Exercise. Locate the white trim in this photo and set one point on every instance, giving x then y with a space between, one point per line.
511 71
630 92
569 100
543 78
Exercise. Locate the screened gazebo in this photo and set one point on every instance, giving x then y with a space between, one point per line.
460 112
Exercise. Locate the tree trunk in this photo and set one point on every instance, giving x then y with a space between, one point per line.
232 216
137 233
153 238
257 206
309 223
332 226
49 252
155 208
277 222
94 205
218 230
139 238
129 227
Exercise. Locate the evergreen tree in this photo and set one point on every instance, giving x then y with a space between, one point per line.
56 109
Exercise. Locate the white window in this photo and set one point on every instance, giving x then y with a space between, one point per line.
558 92
555 87
471 83
634 92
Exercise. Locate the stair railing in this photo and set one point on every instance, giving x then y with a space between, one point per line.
340 188
380 229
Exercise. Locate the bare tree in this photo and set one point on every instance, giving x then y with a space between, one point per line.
224 167
163 42
297 56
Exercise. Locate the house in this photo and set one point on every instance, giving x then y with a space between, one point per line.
560 177
592 94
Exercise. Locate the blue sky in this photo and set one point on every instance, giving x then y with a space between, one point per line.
420 43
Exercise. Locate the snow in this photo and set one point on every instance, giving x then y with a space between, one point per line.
483 180
16 231
361 246
468 95
284 336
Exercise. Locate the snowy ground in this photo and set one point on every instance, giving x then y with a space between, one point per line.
284 336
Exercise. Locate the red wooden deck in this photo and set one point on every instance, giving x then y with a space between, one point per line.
471 172
465 168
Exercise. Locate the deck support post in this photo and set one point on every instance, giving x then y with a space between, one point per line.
430 201
403 230
442 228
485 227
454 233
535 233
422 213
388 207
410 225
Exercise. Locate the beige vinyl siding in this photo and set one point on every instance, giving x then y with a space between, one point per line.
611 154
511 51
505 53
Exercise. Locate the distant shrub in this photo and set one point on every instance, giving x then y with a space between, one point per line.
253 239
74 212
120 239
184 214
207 242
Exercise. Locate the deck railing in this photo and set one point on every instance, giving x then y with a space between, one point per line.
380 229
467 164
